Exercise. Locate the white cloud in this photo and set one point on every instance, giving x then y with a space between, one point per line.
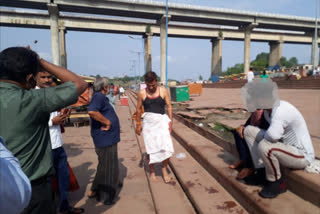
171 59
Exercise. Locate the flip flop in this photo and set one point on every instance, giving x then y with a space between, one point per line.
74 211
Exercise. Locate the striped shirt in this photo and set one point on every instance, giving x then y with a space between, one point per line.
287 125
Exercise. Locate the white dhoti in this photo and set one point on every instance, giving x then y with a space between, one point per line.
156 136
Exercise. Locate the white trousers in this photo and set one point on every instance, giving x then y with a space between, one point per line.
272 155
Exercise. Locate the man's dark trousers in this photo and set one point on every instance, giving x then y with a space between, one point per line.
62 175
42 198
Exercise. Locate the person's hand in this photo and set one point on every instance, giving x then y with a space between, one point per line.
170 126
59 119
66 112
106 127
138 129
240 131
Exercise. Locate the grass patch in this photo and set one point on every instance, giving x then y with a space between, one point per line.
220 127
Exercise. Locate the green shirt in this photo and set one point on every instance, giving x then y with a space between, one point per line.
264 76
24 116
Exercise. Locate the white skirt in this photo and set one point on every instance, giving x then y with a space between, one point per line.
156 136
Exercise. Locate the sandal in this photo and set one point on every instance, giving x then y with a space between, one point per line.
245 172
236 165
74 211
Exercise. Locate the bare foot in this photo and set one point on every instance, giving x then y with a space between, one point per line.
92 194
236 165
167 179
245 172
153 177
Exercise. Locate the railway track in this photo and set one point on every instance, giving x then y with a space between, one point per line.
211 187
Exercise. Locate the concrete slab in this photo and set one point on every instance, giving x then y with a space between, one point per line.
232 123
207 195
205 112
191 115
216 161
307 102
306 185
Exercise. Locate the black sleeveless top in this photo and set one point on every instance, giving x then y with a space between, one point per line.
154 104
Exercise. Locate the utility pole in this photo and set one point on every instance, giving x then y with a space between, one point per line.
167 43
133 67
315 59
139 53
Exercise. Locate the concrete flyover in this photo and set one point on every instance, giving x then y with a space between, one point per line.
178 12
13 18
244 24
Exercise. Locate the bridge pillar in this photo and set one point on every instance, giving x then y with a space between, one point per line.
247 40
216 56
147 52
315 52
275 53
54 28
163 43
63 50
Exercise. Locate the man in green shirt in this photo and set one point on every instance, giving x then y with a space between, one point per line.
264 75
25 112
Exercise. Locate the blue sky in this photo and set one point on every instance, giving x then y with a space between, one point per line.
111 54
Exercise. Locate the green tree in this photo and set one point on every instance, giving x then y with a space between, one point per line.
260 63
262 57
236 69
293 61
283 61
200 77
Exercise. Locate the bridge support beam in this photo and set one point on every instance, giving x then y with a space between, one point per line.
147 52
54 28
247 40
163 43
315 52
275 53
63 50
216 57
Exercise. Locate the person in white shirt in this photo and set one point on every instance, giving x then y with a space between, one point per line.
286 142
250 75
44 80
121 91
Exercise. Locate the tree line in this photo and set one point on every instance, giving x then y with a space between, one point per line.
260 64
